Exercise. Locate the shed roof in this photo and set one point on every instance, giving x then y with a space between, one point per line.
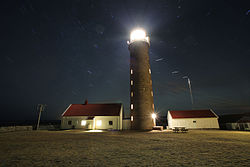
193 114
112 109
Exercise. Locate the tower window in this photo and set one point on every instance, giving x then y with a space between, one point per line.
149 70
132 118
132 94
132 106
151 82
131 71
153 106
131 82
152 93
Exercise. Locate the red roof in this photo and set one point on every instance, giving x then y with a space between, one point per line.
93 110
192 114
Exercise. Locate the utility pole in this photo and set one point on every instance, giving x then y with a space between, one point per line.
41 108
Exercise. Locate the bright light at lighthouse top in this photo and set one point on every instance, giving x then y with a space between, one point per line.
138 35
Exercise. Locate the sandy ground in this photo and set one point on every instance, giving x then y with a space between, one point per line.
78 148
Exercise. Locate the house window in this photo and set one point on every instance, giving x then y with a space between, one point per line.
131 71
131 82
99 122
110 122
194 122
132 94
132 106
69 122
83 123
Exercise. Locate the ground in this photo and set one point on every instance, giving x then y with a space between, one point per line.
127 148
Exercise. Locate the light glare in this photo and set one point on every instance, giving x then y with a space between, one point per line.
138 34
99 122
83 123
153 115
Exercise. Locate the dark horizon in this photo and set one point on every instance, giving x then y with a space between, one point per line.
63 52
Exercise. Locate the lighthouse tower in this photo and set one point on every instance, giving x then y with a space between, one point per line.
141 92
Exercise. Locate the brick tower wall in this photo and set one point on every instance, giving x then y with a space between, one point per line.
141 93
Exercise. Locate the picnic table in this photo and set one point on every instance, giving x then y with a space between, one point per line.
180 129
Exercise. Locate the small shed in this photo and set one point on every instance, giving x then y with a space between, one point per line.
235 121
193 119
93 116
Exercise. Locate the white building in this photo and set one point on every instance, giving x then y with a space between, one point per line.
93 116
235 121
193 119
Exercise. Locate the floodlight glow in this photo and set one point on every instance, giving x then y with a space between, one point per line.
98 122
153 115
83 123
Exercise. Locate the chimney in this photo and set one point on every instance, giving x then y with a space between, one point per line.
86 102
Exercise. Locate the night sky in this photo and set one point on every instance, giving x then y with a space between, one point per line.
63 52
